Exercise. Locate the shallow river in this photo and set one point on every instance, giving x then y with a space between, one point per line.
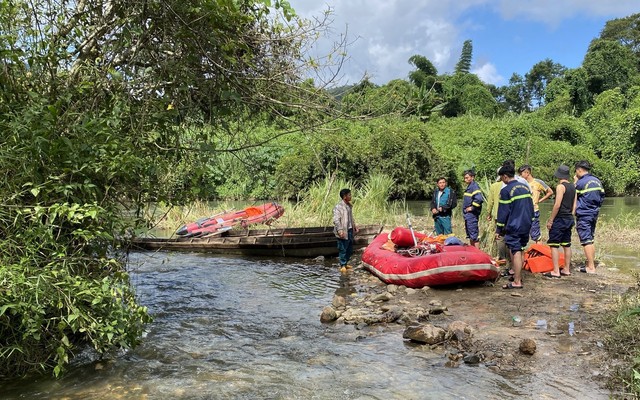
240 328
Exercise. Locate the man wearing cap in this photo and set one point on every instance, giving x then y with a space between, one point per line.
561 222
590 196
515 212
537 187
471 207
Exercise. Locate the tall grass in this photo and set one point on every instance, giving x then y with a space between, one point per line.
370 202
623 342
314 206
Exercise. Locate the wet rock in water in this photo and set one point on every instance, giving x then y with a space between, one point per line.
338 302
328 314
392 289
427 333
528 346
471 359
451 364
391 315
386 296
459 330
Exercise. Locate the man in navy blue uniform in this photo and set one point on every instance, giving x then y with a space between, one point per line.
590 195
472 207
515 214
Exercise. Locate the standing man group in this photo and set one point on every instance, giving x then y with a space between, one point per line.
517 214
442 203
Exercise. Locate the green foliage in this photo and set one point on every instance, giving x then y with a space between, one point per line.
569 92
466 56
466 94
625 31
425 73
609 65
106 107
540 75
354 150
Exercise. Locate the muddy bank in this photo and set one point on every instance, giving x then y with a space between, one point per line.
547 330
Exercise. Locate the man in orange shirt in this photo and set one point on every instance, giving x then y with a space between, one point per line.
538 187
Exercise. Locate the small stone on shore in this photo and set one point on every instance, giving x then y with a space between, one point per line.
528 346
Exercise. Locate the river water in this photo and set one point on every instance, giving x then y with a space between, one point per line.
242 328
247 328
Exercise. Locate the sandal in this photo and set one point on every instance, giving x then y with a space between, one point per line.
510 285
549 275
506 272
584 269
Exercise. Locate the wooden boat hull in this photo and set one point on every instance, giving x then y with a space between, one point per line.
455 264
289 242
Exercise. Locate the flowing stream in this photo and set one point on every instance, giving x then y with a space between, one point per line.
240 328
245 328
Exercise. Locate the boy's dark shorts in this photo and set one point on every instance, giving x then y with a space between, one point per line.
560 232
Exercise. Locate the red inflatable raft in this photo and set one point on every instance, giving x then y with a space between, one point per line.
452 264
223 222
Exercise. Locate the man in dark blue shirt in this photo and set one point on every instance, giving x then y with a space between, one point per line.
590 195
515 214
472 207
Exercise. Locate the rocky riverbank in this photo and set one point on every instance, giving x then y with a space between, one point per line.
549 327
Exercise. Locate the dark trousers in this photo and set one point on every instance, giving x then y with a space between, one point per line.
345 248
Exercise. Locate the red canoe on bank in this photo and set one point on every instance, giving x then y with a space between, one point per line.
261 214
453 264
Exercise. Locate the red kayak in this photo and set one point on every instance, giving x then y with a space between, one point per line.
264 213
446 264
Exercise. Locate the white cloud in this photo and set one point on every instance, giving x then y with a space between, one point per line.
488 73
385 33
388 32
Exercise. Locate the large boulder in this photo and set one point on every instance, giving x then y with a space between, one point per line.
329 314
427 333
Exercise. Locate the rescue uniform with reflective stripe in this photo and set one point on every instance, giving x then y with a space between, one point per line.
590 195
472 198
515 213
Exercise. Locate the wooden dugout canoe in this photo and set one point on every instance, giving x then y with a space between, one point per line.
287 242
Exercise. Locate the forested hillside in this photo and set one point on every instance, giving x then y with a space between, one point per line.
432 124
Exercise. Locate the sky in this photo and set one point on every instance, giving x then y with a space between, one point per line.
508 36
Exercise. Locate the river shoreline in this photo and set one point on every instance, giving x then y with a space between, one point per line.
560 316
